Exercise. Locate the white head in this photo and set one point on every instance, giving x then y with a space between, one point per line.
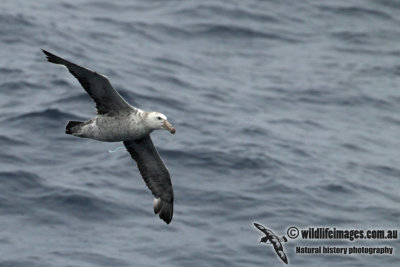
158 121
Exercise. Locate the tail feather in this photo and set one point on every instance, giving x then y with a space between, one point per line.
164 209
71 127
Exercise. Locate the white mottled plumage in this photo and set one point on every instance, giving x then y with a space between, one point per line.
127 125
117 121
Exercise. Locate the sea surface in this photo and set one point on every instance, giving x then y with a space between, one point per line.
287 114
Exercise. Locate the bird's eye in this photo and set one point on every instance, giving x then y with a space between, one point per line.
159 118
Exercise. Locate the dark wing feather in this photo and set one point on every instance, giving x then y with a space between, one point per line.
279 250
96 85
155 174
261 228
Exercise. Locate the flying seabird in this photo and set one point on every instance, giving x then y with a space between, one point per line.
274 240
116 120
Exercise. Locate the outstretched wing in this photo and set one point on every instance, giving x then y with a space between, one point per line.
279 250
261 228
155 174
96 85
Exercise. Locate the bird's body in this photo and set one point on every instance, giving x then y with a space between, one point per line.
125 125
117 121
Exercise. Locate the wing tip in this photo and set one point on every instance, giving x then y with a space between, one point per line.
164 209
284 259
53 58
258 226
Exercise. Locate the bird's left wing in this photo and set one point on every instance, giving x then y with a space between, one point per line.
260 227
155 174
279 250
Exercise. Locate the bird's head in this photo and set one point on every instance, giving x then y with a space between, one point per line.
264 239
158 121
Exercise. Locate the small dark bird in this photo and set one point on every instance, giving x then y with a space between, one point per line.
274 240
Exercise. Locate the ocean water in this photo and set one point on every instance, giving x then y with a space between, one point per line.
287 114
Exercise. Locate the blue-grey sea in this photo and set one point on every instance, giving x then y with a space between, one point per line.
286 112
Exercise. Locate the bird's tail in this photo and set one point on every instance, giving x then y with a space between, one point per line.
164 209
73 127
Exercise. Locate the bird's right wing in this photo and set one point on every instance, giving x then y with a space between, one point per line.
96 85
155 174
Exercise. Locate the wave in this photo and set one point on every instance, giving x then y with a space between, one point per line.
15 20
151 31
327 98
19 85
17 28
47 114
7 158
20 181
5 70
11 141
97 259
81 204
386 170
175 63
222 161
235 31
206 11
82 98
38 261
356 11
